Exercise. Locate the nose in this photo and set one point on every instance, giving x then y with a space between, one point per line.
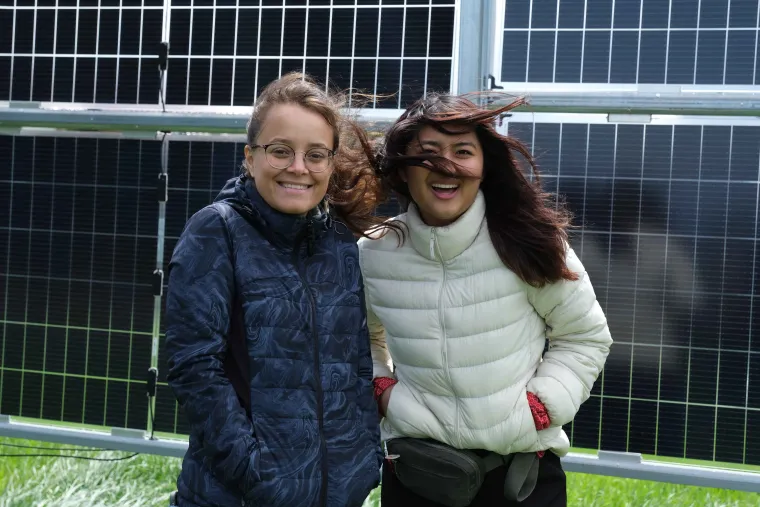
298 166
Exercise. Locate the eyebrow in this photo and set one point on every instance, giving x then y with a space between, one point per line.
438 145
282 140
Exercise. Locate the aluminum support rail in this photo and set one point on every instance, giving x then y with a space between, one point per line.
615 464
638 103
118 439
104 117
632 466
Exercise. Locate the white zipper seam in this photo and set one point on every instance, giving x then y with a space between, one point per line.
443 330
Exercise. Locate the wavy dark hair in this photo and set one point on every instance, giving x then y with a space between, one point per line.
353 191
527 227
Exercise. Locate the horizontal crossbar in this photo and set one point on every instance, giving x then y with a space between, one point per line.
614 464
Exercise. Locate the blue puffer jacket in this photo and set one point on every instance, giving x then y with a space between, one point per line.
312 436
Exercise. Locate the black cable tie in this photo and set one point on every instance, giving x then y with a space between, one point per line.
158 282
162 188
163 55
152 382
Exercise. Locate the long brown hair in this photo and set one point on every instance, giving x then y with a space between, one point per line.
527 228
354 190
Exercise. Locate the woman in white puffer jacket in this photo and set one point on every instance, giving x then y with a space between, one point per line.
463 291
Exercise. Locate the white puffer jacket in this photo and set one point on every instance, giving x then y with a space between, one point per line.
466 336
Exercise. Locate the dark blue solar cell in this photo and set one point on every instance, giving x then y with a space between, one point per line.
681 57
571 13
517 14
514 56
684 13
569 51
652 56
541 63
743 14
598 14
745 154
711 47
713 14
657 151
625 50
596 57
654 14
627 14
740 57
544 14
573 150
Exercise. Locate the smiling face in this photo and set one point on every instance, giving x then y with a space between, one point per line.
442 199
294 190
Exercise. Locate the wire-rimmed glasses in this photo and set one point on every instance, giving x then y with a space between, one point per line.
281 156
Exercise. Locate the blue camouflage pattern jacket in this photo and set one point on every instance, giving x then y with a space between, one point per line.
304 430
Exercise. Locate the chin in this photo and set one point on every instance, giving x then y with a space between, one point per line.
293 206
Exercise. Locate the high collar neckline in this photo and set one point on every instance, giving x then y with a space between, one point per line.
447 242
284 225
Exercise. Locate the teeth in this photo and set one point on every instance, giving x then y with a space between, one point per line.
294 186
445 186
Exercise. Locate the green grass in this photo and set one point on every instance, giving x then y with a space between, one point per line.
146 481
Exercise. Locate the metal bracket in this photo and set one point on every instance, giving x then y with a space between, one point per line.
127 433
637 119
619 457
158 282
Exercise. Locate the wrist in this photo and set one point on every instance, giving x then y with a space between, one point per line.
538 411
380 384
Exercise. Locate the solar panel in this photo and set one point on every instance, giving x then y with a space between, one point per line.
668 233
80 51
706 42
224 55
77 249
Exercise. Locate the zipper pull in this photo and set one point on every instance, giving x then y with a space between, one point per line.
432 244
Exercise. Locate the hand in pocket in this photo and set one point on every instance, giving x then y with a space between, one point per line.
384 399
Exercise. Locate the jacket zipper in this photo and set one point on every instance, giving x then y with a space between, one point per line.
317 363
444 350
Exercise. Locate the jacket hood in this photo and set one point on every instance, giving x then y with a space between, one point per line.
242 191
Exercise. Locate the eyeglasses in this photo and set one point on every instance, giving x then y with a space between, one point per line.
281 156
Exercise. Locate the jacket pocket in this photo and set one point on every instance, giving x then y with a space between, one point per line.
528 438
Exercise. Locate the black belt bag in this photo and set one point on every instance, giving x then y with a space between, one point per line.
453 477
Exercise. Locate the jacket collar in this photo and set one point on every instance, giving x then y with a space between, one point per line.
445 243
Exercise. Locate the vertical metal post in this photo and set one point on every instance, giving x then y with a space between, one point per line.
158 279
162 195
472 45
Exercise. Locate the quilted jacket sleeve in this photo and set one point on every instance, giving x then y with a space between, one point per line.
366 396
579 342
200 291
381 358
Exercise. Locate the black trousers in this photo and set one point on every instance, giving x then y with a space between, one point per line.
551 489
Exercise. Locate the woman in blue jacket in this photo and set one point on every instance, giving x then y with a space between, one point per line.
266 334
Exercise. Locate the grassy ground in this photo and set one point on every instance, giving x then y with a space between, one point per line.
145 481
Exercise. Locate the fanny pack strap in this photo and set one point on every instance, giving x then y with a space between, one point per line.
522 473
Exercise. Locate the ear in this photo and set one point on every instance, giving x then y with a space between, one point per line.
249 159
